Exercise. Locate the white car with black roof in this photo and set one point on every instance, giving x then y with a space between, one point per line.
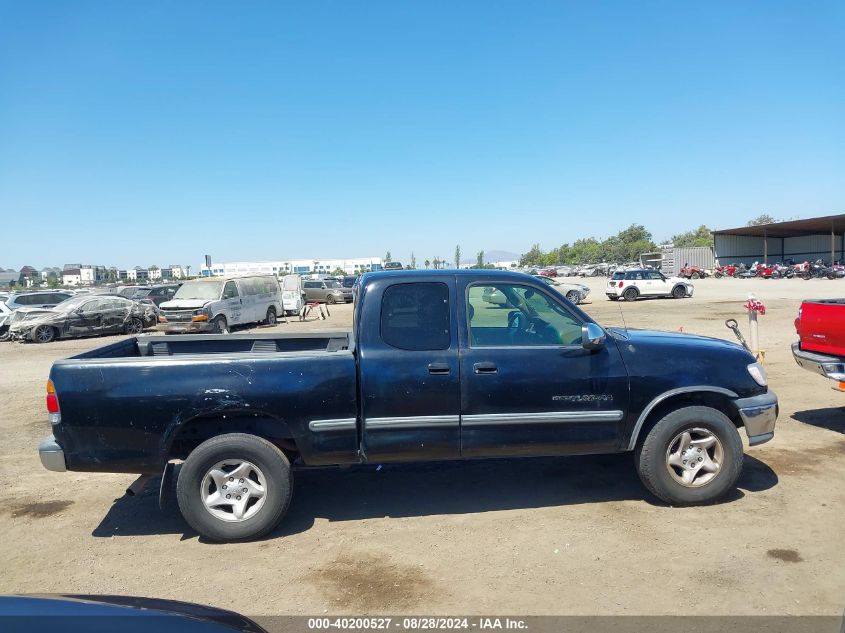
630 285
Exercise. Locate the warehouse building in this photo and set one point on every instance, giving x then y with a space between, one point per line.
799 240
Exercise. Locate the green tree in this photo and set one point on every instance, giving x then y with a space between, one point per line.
427 263
458 256
479 260
387 257
697 237
339 272
763 218
534 257
413 261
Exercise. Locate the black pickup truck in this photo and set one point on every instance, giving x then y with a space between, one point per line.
439 365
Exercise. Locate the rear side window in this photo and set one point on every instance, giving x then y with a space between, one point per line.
619 275
416 316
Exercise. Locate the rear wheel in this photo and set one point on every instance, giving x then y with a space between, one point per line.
691 456
234 487
679 292
270 319
330 299
717 274
43 334
135 326
696 276
574 296
630 294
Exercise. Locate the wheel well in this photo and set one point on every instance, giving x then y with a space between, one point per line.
197 430
712 399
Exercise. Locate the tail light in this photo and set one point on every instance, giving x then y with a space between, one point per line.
621 283
53 404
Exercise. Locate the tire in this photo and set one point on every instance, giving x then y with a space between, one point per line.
665 440
135 326
630 294
696 276
219 325
717 275
259 461
330 299
574 296
806 276
43 334
679 292
271 316
775 274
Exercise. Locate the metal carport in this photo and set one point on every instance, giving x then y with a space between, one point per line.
801 240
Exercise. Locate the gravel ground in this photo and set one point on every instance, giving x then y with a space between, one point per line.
576 535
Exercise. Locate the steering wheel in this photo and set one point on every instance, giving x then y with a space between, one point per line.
516 320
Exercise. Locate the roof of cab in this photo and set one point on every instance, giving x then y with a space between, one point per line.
464 272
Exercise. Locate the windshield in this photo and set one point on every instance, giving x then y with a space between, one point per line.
204 290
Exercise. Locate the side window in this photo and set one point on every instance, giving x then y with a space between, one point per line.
230 290
653 274
25 300
512 315
416 316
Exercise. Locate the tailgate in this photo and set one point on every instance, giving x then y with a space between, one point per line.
821 326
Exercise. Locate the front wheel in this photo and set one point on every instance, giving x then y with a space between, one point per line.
691 456
330 299
718 275
270 319
696 276
234 487
219 325
679 292
573 296
43 334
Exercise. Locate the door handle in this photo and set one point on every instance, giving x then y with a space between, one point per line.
485 368
439 369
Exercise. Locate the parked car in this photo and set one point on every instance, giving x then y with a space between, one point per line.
575 293
156 294
431 372
5 316
821 339
324 291
392 266
38 299
216 304
81 316
67 613
630 285
548 272
292 295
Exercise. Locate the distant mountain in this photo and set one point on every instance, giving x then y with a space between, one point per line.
493 256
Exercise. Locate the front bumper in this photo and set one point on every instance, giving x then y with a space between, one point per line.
832 367
52 455
183 327
759 414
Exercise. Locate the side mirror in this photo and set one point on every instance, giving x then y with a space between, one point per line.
592 336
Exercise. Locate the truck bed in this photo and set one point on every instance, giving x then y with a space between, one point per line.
200 344
821 326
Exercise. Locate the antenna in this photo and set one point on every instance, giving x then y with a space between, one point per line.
622 314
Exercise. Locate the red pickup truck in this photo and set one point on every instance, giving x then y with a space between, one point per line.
821 338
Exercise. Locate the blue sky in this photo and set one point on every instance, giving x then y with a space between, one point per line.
152 133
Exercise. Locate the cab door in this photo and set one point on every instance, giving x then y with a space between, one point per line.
528 385
409 371
232 303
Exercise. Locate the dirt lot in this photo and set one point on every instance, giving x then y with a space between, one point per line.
546 536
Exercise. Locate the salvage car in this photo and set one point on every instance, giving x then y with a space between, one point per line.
576 293
630 285
81 316
5 315
821 339
430 371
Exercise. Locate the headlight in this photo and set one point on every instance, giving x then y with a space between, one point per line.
758 374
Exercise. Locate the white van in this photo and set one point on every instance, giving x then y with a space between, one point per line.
215 304
292 294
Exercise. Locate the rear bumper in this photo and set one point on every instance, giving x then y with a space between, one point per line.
832 367
52 455
759 414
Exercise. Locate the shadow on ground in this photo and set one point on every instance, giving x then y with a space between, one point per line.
436 488
831 418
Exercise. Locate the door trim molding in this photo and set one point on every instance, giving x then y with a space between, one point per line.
412 422
551 417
